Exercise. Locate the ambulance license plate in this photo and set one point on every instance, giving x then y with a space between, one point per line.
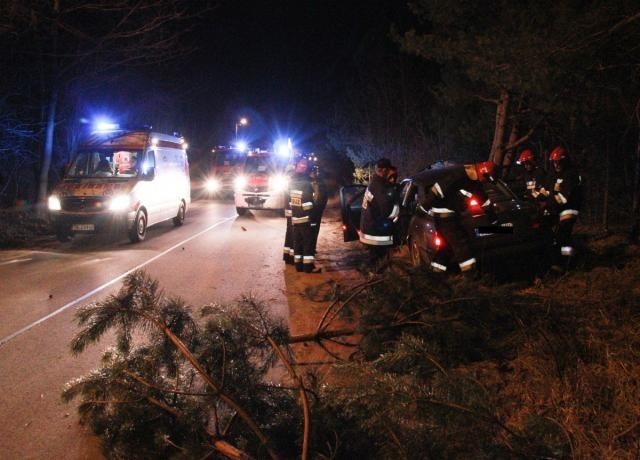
83 227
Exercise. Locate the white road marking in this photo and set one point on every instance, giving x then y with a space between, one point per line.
108 283
16 261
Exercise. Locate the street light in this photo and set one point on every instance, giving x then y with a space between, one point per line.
242 122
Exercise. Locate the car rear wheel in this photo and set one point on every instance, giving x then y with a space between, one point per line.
241 211
178 220
139 230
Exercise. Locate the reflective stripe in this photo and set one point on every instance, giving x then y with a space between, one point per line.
559 181
308 259
560 198
375 240
287 212
438 267
297 258
314 224
486 203
299 220
437 190
291 252
566 250
295 192
465 193
467 264
394 212
531 184
286 250
441 212
568 214
307 205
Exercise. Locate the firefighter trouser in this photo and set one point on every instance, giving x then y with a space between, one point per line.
454 235
287 253
378 256
564 240
303 247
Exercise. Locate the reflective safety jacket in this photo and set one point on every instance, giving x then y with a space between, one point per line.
533 181
300 199
451 194
564 193
380 208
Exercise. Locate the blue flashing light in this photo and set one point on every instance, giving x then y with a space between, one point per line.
241 146
283 147
104 126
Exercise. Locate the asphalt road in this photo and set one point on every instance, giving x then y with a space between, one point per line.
215 256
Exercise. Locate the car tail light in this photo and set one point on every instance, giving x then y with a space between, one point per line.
438 241
473 203
344 228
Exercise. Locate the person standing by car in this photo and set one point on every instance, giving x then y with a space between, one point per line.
532 177
461 185
301 203
564 191
288 252
379 209
319 203
398 227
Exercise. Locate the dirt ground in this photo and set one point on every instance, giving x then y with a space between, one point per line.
309 295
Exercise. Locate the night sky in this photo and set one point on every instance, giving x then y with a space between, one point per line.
283 64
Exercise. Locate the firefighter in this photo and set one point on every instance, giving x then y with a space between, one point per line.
379 211
301 203
563 190
462 185
532 176
319 203
288 252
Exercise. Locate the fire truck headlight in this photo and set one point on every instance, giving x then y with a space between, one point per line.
278 183
54 203
239 183
212 185
119 203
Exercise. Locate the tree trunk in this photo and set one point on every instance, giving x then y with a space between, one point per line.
47 151
497 148
635 214
509 155
605 200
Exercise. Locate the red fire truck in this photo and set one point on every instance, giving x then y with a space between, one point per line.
225 164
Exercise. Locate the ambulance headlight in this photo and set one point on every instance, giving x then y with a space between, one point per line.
240 182
212 185
119 203
278 183
54 203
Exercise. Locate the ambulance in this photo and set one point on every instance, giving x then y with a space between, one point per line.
122 181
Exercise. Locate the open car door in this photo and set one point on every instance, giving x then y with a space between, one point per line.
350 208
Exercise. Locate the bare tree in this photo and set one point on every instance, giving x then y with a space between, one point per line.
73 39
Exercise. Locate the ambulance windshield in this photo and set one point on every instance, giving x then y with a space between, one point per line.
106 163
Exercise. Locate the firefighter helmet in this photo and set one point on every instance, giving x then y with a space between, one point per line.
558 154
485 170
526 156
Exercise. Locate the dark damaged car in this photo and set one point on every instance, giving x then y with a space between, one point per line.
506 228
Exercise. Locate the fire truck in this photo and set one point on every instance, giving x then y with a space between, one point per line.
224 165
262 182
